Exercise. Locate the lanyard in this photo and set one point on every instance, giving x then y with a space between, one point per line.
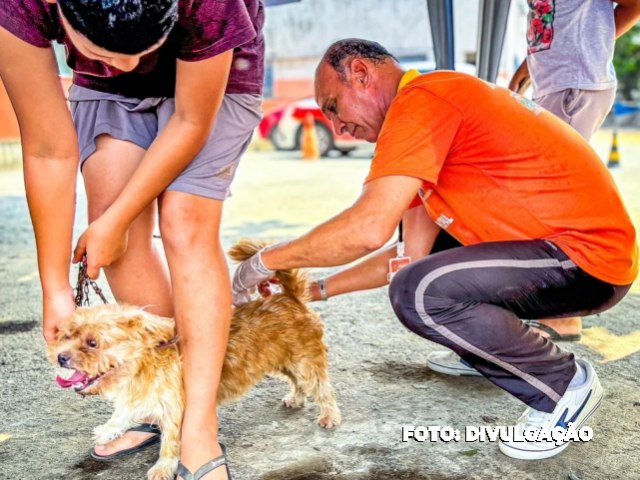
400 245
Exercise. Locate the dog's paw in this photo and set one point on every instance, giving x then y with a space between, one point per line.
105 433
330 420
164 469
291 401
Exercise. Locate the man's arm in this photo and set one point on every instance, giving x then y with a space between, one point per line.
419 234
352 234
200 88
357 231
50 152
627 13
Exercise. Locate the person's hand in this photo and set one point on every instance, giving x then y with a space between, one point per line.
521 79
56 308
248 276
103 243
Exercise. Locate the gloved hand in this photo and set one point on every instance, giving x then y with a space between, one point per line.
249 274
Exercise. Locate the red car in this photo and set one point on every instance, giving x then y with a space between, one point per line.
283 127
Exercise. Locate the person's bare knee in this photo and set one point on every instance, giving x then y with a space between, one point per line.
188 220
107 171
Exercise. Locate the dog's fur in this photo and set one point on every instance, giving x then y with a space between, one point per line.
127 357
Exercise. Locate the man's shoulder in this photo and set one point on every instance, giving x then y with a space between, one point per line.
443 78
444 85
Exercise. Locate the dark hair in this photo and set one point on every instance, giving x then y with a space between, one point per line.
340 52
121 26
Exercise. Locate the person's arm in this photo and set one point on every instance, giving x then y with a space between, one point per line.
357 231
419 233
627 14
50 156
200 88
521 79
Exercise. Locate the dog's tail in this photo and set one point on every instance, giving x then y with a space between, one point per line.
293 282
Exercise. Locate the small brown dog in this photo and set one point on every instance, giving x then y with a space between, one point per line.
128 356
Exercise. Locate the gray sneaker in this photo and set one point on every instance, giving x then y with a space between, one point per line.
450 363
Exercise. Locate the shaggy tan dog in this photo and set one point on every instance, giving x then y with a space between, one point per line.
127 355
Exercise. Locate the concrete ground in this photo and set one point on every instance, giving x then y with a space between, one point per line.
377 367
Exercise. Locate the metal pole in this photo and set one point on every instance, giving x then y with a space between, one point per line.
441 21
492 26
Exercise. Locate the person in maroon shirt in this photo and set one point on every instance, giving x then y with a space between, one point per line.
165 96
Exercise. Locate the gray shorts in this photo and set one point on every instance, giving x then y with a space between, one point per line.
584 110
138 121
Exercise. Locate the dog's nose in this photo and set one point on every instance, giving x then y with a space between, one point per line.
63 359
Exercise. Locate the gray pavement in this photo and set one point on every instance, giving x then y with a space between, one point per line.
377 367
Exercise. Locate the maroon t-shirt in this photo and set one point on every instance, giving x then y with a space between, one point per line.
205 28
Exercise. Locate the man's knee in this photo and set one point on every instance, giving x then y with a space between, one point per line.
419 311
402 293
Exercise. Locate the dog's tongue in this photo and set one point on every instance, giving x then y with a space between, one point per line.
77 377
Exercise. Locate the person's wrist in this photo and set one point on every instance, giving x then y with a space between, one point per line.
262 265
53 289
314 291
116 219
322 289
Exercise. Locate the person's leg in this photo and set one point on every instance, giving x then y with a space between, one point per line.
112 142
139 277
202 298
584 110
470 300
190 213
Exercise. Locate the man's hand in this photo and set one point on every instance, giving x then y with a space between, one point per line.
102 243
521 80
249 275
56 309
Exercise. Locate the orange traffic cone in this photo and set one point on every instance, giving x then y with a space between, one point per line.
309 141
614 156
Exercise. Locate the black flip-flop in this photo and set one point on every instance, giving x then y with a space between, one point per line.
553 334
143 427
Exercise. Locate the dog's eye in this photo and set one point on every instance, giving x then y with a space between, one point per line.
91 343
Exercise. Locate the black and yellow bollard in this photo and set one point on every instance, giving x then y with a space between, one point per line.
614 156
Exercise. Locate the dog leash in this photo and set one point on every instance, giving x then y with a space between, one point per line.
82 288
82 297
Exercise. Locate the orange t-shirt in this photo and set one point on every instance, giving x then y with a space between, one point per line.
498 167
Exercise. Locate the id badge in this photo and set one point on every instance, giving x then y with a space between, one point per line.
395 264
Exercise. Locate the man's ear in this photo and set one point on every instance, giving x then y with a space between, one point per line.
360 72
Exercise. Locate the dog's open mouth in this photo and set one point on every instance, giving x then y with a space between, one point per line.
78 380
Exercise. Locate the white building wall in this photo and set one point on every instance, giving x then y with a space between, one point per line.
297 34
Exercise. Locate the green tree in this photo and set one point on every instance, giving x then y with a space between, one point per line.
626 59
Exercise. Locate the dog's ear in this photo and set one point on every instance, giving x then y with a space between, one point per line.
153 327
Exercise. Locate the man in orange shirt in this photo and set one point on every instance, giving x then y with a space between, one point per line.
543 228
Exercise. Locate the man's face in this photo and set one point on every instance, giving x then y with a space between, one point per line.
352 107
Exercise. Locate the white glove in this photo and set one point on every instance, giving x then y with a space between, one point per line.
249 274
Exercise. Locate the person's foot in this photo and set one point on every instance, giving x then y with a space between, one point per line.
449 363
558 329
576 406
206 450
129 440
